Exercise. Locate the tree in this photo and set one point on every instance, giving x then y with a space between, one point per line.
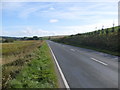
30 38
40 38
35 38
49 38
102 30
113 28
24 38
98 32
8 40
106 31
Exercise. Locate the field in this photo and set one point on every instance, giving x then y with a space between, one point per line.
18 49
26 58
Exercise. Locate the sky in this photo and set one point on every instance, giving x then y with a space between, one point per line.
20 19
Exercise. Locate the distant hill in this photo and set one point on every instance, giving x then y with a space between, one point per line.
5 37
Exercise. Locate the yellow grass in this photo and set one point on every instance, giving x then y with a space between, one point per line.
13 51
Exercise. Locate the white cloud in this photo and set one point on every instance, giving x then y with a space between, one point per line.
38 32
79 12
90 17
60 30
25 13
12 5
68 30
28 31
52 8
53 20
37 9
64 12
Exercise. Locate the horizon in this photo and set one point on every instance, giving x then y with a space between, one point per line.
55 35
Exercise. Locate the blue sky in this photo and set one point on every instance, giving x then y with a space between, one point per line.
56 18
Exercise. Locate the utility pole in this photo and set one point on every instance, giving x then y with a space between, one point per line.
102 27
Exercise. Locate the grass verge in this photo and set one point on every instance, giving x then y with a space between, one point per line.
39 73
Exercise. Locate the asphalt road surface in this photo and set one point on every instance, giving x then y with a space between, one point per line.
84 68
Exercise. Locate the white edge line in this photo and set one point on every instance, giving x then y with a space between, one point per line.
99 61
62 75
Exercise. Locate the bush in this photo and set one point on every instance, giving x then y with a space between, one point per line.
8 40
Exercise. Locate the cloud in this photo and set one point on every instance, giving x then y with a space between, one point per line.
28 31
52 8
79 10
53 20
34 9
12 5
25 13
68 30
79 18
59 30
39 32
60 10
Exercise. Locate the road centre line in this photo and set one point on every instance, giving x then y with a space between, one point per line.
99 61
72 49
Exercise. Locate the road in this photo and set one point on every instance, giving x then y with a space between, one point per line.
84 68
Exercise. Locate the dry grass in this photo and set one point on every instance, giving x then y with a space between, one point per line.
15 56
16 50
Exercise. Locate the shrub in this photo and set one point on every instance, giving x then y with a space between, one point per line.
8 40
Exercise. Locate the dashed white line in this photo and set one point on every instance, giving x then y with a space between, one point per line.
62 75
99 61
63 45
72 49
116 58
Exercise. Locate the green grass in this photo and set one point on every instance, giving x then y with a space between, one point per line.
39 73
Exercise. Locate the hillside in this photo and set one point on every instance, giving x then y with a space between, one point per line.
105 40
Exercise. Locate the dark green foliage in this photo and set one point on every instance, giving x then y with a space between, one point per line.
104 39
40 38
32 38
112 29
107 31
8 40
49 38
35 38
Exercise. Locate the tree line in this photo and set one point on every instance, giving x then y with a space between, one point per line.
12 39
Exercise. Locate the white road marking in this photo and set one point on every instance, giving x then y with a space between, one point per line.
72 49
62 75
99 61
63 45
115 58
